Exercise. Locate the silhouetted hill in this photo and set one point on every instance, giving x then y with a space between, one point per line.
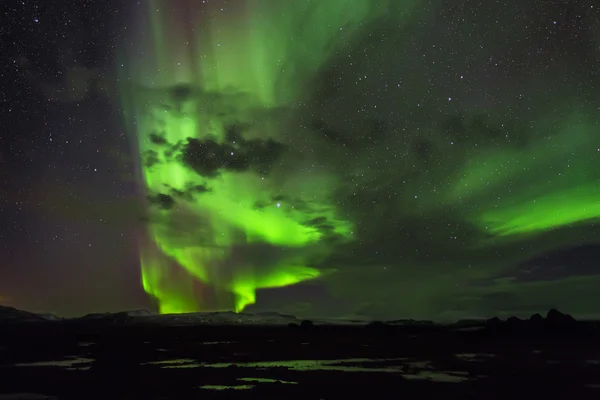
13 315
554 320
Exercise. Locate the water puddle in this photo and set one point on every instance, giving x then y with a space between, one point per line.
223 387
319 365
178 363
402 366
296 365
71 363
266 380
439 376
475 357
245 386
409 369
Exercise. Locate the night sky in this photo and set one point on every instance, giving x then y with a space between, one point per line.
342 158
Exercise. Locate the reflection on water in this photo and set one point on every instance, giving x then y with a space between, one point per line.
407 368
170 362
70 363
402 366
296 365
440 376
224 387
245 386
266 380
319 365
476 357
176 363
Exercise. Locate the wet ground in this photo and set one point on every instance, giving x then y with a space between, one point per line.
319 363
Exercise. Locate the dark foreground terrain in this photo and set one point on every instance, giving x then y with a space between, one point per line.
129 356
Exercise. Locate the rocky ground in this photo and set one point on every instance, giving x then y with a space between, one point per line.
136 355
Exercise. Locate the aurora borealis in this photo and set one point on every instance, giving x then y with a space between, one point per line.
207 161
345 158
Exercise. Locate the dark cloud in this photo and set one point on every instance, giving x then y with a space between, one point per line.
189 192
164 201
200 189
150 158
182 93
234 133
326 229
158 139
208 157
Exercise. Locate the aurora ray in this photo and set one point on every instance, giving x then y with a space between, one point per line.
550 188
218 178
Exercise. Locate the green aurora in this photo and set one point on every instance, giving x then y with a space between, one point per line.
216 103
189 99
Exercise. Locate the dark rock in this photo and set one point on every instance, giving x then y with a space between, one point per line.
10 314
377 325
293 325
493 322
460 323
555 317
121 318
536 319
514 322
307 324
139 313
110 318
50 316
425 323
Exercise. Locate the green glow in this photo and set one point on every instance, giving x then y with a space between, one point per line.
193 73
157 282
537 189
547 212
197 72
244 287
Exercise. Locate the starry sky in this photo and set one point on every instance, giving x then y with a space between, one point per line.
350 158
